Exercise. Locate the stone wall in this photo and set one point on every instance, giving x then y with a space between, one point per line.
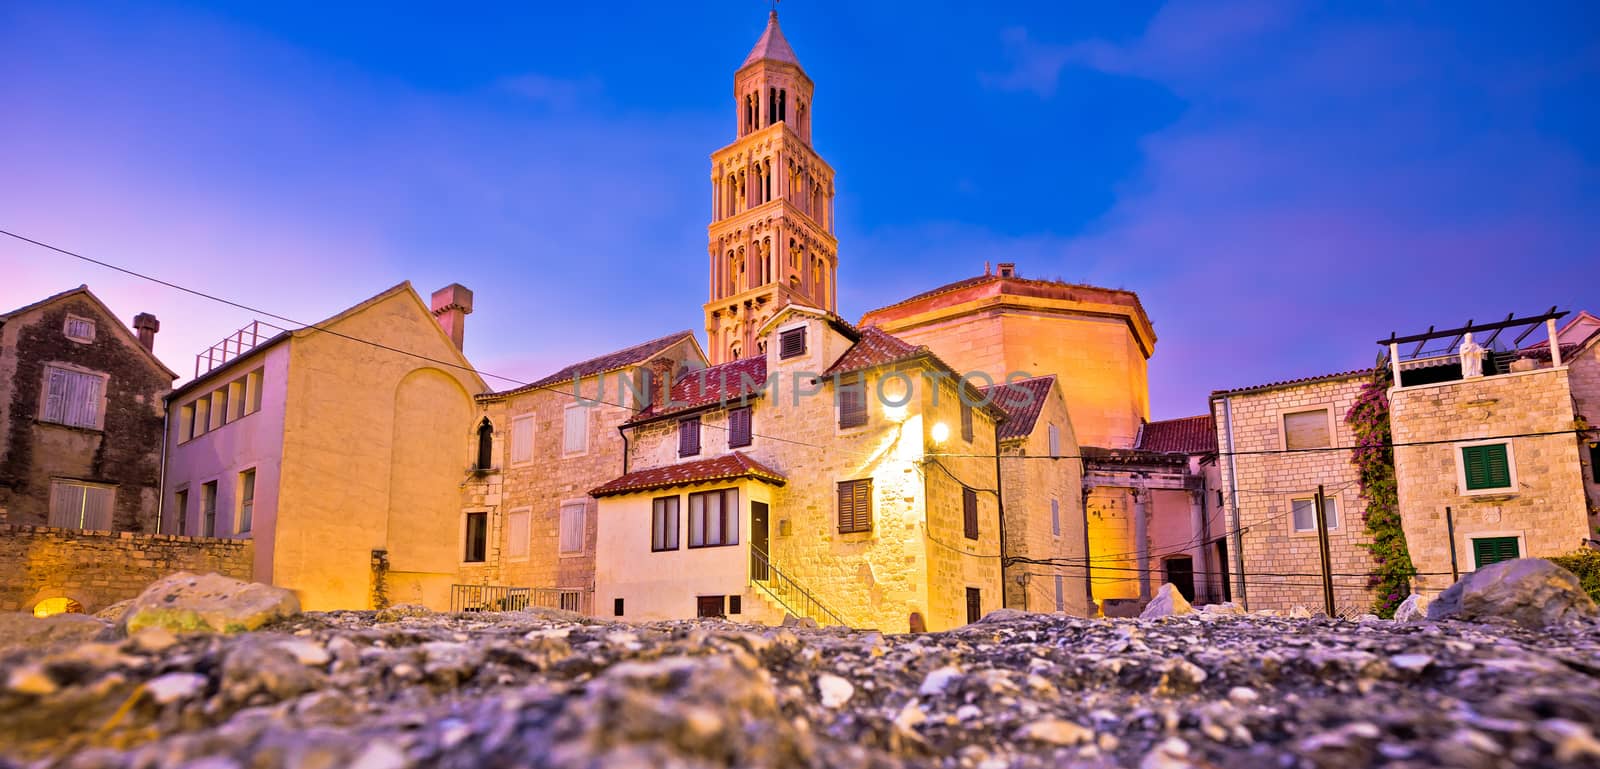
99 568
1545 509
1278 559
1583 376
1030 483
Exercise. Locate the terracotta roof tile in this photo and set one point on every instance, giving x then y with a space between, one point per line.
1188 435
1021 401
725 467
609 362
723 383
1351 374
875 348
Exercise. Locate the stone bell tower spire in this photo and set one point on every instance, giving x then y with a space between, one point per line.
771 233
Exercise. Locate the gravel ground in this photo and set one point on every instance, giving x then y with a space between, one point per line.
344 689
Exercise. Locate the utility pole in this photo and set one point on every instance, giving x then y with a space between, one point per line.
1322 543
1450 530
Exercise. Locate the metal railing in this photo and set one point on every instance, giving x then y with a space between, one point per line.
789 594
507 598
234 345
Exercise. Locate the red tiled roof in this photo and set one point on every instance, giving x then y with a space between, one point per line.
725 467
875 348
605 363
1189 435
1021 401
1013 284
723 383
1302 380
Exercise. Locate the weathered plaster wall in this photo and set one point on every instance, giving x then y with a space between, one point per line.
1267 483
1030 483
126 452
1583 375
1546 510
99 568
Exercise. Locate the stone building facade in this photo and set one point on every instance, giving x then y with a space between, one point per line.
323 446
550 442
94 569
1277 443
80 416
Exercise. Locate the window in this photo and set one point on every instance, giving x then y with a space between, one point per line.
708 606
202 417
236 399
1305 513
966 421
517 539
208 509
1055 518
1061 596
852 403
572 533
689 437
1486 466
485 458
714 518
180 503
1306 430
1055 441
735 604
792 343
78 329
1594 461
522 440
247 501
1487 550
616 607
219 407
664 524
576 430
75 505
253 388
477 539
855 506
568 600
969 512
739 427
72 397
974 605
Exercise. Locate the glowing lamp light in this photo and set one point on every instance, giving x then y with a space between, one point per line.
941 432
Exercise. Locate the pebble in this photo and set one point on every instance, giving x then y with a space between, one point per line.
834 691
308 653
1056 731
1242 695
938 680
153 640
381 755
1414 663
30 679
175 687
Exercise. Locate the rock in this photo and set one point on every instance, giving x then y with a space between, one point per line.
1414 663
381 755
1004 615
185 602
174 687
1530 592
1171 753
114 612
259 668
1413 609
789 620
22 629
1299 612
938 680
1242 695
153 640
833 690
308 653
1572 741
400 611
1056 731
910 716
30 679
1167 603
1226 607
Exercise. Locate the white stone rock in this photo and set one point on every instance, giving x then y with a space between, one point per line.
938 680
833 690
1171 753
185 602
1056 731
1299 612
309 653
1531 592
1241 695
173 687
1168 602
1413 609
30 679
380 755
1414 663
910 716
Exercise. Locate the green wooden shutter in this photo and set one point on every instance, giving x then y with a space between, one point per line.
1493 550
1487 467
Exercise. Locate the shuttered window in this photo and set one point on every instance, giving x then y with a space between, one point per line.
966 422
969 512
792 343
477 538
79 329
852 403
739 427
664 524
855 506
1486 467
1489 550
180 505
247 501
974 605
576 430
81 505
1055 518
1061 596
1306 430
208 509
517 538
714 518
522 439
689 437
1055 441
572 528
72 397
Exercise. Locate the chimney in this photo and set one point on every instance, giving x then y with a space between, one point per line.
146 326
986 268
1008 269
451 305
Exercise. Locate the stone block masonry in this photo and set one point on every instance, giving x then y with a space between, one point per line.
99 568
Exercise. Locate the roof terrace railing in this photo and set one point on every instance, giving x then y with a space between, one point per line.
232 346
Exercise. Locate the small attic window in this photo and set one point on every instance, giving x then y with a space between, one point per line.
792 342
1008 270
79 329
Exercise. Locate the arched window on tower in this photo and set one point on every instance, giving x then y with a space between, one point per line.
485 444
783 106
766 180
772 106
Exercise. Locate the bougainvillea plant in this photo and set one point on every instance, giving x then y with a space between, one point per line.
1374 462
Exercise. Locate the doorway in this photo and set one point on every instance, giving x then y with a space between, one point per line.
1222 567
758 542
1179 570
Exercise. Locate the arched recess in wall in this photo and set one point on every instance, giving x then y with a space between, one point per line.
426 469
55 600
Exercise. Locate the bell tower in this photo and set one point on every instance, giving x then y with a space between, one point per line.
771 233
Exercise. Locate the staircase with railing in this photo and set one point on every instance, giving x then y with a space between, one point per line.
788 594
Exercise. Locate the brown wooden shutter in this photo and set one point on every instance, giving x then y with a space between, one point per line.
739 427
1306 430
855 506
966 422
969 511
852 403
792 343
689 437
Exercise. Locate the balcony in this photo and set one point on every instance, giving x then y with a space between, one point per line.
1473 351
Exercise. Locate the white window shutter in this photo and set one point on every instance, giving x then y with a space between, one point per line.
517 534
572 528
522 439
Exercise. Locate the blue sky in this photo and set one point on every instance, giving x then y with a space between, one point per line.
1282 182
